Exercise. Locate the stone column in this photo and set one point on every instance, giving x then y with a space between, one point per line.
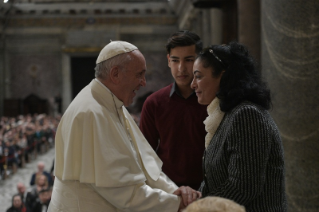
216 28
5 76
2 82
249 25
290 61
66 82
206 36
212 26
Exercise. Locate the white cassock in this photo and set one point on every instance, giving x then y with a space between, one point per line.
103 162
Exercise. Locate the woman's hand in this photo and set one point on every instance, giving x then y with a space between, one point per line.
188 195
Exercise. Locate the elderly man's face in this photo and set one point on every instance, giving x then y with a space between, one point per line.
21 188
40 167
133 78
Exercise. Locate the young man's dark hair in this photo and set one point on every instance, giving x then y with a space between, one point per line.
184 38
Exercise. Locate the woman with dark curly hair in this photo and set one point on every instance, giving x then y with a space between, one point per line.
244 159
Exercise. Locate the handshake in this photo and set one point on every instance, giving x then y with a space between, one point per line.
188 196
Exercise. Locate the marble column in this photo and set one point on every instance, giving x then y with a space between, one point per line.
290 61
66 81
5 81
212 26
249 26
206 36
216 28
2 82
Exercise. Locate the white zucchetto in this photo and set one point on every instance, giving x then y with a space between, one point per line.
113 49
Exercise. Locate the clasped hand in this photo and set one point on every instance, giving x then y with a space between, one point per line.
188 195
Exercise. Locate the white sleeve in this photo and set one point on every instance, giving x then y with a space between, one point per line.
139 198
163 183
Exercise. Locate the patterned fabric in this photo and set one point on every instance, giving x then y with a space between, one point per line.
244 161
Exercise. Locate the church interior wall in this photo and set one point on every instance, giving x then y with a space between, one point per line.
40 43
34 66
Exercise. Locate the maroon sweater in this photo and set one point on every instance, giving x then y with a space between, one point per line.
174 128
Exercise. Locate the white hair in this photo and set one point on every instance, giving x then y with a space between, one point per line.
103 68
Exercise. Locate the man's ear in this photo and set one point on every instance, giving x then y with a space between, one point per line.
168 60
115 75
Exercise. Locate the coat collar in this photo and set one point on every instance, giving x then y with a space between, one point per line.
105 96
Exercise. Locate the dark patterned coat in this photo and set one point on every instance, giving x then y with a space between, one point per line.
244 161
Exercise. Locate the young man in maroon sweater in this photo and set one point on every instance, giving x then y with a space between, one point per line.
172 119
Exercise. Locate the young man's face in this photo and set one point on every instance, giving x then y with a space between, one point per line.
181 60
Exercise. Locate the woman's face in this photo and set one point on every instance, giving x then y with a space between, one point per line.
41 180
17 202
205 85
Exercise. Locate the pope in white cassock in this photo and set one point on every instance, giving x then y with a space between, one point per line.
102 160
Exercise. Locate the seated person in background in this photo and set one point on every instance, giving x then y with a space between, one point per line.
41 184
17 204
2 158
10 151
40 172
22 191
42 202
214 204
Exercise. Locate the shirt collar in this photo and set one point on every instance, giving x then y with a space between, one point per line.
118 103
176 90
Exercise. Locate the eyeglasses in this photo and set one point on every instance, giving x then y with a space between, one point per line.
212 52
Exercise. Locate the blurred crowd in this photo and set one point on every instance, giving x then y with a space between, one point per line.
22 138
37 198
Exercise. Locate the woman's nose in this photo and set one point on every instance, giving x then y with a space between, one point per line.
193 84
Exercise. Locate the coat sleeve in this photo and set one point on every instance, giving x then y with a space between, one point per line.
163 183
148 124
139 198
32 181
